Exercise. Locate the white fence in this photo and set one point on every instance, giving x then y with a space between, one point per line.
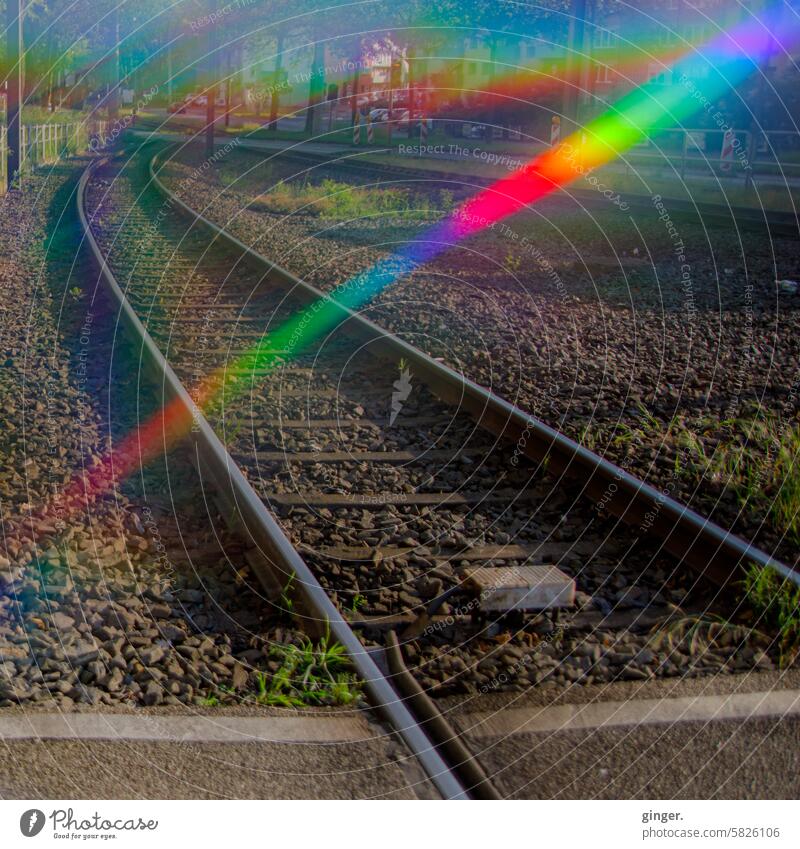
44 144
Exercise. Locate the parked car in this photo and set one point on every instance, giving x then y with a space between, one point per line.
475 131
198 101
202 100
399 117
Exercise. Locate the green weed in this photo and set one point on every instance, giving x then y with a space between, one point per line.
447 201
755 456
287 602
309 674
358 602
512 262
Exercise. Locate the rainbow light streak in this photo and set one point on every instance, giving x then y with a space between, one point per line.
730 57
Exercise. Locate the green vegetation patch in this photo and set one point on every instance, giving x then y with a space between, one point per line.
776 601
310 674
335 201
755 456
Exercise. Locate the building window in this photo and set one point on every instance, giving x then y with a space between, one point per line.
695 33
603 74
604 38
666 36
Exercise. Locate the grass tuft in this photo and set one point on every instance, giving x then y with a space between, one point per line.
776 601
309 674
359 601
695 633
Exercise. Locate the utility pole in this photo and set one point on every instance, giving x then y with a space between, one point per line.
228 80
410 57
354 96
316 87
588 71
211 89
112 102
575 38
758 112
274 99
169 66
15 52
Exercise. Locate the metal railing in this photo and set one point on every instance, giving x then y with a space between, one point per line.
46 144
770 152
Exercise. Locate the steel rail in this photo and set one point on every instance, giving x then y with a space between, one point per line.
265 532
691 538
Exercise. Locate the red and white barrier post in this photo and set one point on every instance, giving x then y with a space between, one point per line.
726 155
555 131
370 131
357 128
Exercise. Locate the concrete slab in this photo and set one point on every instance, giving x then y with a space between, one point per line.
729 737
184 729
101 755
730 759
780 703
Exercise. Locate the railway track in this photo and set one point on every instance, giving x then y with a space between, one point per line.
402 503
223 482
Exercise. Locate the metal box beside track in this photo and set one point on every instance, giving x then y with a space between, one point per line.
504 588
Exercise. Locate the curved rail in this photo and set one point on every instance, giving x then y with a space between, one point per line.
690 537
265 532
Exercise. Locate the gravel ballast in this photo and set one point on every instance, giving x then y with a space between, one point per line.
137 595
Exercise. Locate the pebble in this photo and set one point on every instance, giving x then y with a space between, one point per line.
61 621
239 678
634 673
81 653
152 655
153 694
173 633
